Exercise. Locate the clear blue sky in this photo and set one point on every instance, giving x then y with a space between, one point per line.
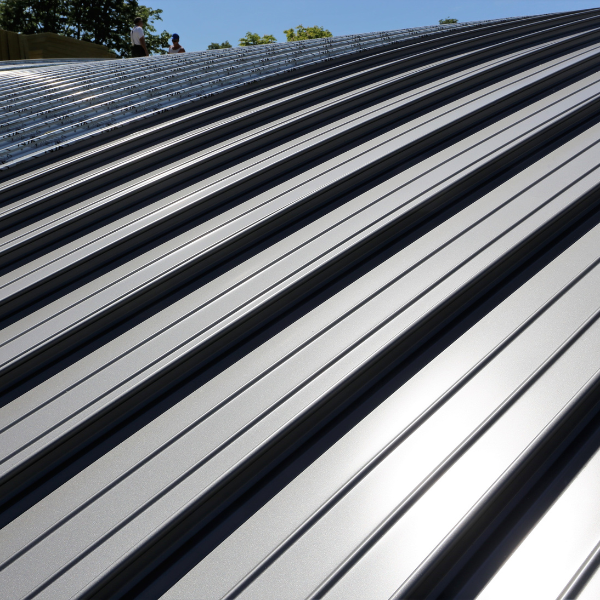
200 22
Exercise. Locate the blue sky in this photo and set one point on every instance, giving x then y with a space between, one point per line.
200 22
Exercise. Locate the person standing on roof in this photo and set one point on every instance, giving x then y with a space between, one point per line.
176 48
138 42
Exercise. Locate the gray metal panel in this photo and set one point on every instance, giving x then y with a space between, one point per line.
333 335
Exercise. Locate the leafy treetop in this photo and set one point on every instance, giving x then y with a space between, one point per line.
106 22
253 39
447 21
217 46
306 33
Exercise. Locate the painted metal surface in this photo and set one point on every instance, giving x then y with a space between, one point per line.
330 334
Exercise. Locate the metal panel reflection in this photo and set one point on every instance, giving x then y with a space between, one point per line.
321 324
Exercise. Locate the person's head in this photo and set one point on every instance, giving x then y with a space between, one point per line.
138 22
175 38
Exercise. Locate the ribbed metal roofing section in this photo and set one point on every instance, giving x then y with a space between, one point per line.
92 97
314 320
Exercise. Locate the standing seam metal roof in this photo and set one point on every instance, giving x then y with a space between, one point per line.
322 323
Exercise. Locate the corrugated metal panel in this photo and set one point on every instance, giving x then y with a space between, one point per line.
331 334
27 65
102 97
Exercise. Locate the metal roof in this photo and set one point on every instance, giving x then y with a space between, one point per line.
312 320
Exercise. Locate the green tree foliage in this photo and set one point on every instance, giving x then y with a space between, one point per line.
106 22
217 46
306 33
101 22
448 21
41 16
253 39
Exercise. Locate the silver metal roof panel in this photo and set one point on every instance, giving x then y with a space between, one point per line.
330 334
